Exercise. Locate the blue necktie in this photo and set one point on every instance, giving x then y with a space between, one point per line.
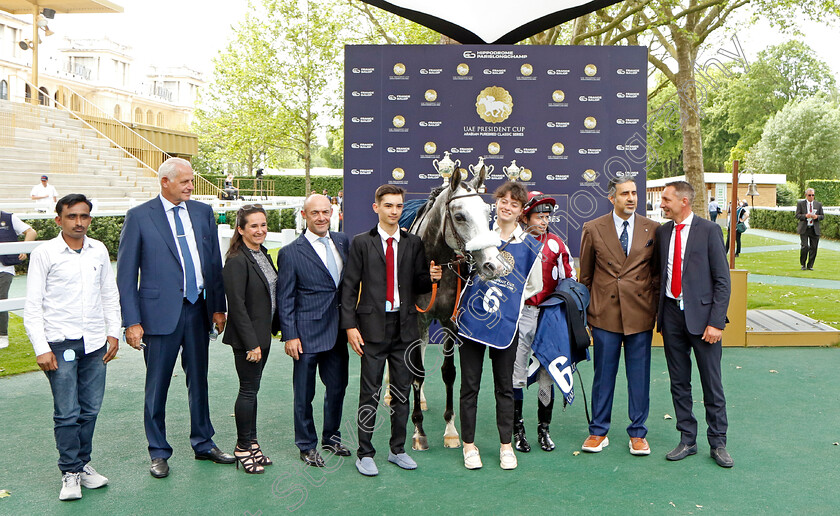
332 266
190 288
623 239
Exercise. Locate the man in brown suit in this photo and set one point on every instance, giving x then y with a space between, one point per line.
617 266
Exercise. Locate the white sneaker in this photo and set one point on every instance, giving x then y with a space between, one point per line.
507 459
472 460
91 479
4 341
70 488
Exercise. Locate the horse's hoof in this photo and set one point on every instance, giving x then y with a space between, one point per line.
451 441
420 443
424 406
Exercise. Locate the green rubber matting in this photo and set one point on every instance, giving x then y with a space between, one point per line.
784 428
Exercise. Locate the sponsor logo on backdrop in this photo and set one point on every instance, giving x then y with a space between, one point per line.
398 174
628 71
399 69
557 177
430 148
399 97
557 71
361 119
627 121
590 122
558 96
589 98
430 95
626 147
363 70
361 171
463 69
399 121
355 93
361 145
589 151
525 174
526 69
557 124
558 148
398 150
525 150
430 123
431 71
627 94
494 71
590 70
590 175
460 150
494 104
494 148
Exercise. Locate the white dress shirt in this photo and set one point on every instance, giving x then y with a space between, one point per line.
321 250
71 295
49 191
190 234
396 244
619 228
684 233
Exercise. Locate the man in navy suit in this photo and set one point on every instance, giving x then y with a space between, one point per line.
692 314
308 280
172 244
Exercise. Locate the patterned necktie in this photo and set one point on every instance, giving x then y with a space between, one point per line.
332 266
190 287
623 239
676 269
389 267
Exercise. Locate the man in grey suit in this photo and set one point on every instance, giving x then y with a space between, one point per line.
809 212
692 314
308 296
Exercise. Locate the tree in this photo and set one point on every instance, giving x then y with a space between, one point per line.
277 83
802 140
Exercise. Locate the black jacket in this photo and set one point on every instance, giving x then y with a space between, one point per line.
250 322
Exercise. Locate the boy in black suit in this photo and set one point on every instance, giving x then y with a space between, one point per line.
388 265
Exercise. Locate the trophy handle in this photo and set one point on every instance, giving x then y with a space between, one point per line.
435 164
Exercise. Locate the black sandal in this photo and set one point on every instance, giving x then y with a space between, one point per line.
248 461
258 455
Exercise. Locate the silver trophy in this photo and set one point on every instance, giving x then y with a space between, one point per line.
476 170
446 167
512 171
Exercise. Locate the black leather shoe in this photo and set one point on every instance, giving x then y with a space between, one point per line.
520 442
544 438
160 468
217 456
337 449
803 267
312 458
682 451
722 457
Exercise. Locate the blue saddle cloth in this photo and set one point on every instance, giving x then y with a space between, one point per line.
409 213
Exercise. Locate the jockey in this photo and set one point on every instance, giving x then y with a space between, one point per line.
556 265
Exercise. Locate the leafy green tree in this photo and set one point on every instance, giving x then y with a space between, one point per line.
802 140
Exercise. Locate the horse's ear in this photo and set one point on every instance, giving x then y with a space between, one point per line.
455 180
478 180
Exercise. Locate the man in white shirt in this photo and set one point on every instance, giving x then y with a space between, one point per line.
11 227
72 309
44 194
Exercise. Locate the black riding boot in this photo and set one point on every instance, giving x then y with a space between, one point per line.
519 440
544 417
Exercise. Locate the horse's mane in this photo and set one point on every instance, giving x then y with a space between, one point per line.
431 200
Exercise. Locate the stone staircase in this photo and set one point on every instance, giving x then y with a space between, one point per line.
37 140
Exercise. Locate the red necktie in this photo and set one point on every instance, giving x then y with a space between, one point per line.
389 265
676 269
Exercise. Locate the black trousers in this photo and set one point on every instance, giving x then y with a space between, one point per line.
472 363
245 408
678 346
737 242
809 240
370 400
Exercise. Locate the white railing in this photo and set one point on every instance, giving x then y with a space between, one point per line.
7 305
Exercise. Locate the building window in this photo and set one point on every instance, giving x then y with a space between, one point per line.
43 96
138 116
161 118
150 117
117 113
4 90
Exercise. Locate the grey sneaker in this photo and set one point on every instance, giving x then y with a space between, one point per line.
91 479
70 487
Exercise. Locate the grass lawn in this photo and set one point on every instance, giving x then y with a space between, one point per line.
750 240
786 263
821 304
18 357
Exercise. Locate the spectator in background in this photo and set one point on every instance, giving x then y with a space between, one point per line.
44 195
11 227
809 212
714 209
72 310
741 215
335 214
341 210
325 194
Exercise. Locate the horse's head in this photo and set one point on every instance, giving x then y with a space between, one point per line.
468 218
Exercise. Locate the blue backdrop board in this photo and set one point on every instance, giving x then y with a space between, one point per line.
569 118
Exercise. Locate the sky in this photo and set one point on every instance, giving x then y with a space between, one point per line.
189 32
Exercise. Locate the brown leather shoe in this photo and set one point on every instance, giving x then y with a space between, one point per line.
595 443
639 446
